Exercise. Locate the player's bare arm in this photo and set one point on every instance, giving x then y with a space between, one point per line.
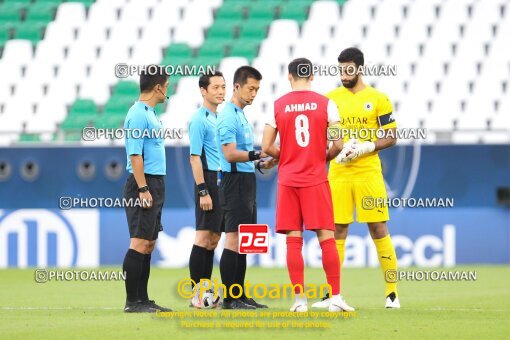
388 141
268 142
234 155
198 174
138 172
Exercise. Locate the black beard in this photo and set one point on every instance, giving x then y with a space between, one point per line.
351 83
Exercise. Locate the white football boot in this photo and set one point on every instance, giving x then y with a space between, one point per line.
300 306
338 304
324 303
392 301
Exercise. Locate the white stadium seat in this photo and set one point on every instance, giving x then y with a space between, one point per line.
71 14
324 11
49 52
17 52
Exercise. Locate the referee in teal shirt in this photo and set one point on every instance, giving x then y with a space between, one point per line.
205 163
146 164
238 161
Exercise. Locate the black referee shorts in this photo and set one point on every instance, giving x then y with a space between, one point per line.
145 223
238 192
212 220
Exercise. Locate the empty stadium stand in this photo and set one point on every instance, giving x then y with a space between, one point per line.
58 58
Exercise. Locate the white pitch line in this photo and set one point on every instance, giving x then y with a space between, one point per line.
437 309
440 309
60 308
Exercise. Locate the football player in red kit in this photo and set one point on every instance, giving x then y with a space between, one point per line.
302 117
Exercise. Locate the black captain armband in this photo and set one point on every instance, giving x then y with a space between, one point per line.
386 119
253 155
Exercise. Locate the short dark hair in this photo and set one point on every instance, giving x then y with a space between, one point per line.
205 79
300 68
352 54
151 76
244 72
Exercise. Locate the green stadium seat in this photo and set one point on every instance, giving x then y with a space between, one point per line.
76 122
73 137
160 108
29 31
254 29
110 122
247 2
127 89
231 11
221 31
25 137
14 5
261 10
55 2
83 107
213 49
205 61
227 22
118 106
179 50
245 48
295 11
9 13
86 3
4 33
41 12
8 25
174 80
27 2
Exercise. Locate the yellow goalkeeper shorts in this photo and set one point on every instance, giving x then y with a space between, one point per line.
368 197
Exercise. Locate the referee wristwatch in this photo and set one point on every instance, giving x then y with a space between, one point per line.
143 189
202 190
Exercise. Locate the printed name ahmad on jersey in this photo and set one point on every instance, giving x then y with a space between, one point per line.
300 107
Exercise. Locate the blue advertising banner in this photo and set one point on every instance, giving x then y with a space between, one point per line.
432 237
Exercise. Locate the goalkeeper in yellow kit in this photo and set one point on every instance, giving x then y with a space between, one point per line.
355 177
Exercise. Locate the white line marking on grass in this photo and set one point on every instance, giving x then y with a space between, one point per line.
60 308
441 309
436 309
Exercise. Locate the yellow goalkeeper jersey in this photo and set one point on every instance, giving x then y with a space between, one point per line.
361 115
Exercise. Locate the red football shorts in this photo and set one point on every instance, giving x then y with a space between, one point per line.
309 205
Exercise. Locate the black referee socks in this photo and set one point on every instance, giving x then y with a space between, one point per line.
197 263
208 264
228 266
132 266
144 278
240 273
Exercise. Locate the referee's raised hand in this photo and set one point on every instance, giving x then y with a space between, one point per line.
146 199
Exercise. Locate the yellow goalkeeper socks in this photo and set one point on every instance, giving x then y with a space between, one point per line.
340 247
388 260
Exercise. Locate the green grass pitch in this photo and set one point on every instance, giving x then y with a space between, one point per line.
76 309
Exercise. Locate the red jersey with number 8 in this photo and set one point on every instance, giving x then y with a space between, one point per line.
301 118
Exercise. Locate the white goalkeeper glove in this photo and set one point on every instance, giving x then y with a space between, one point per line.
342 156
359 149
